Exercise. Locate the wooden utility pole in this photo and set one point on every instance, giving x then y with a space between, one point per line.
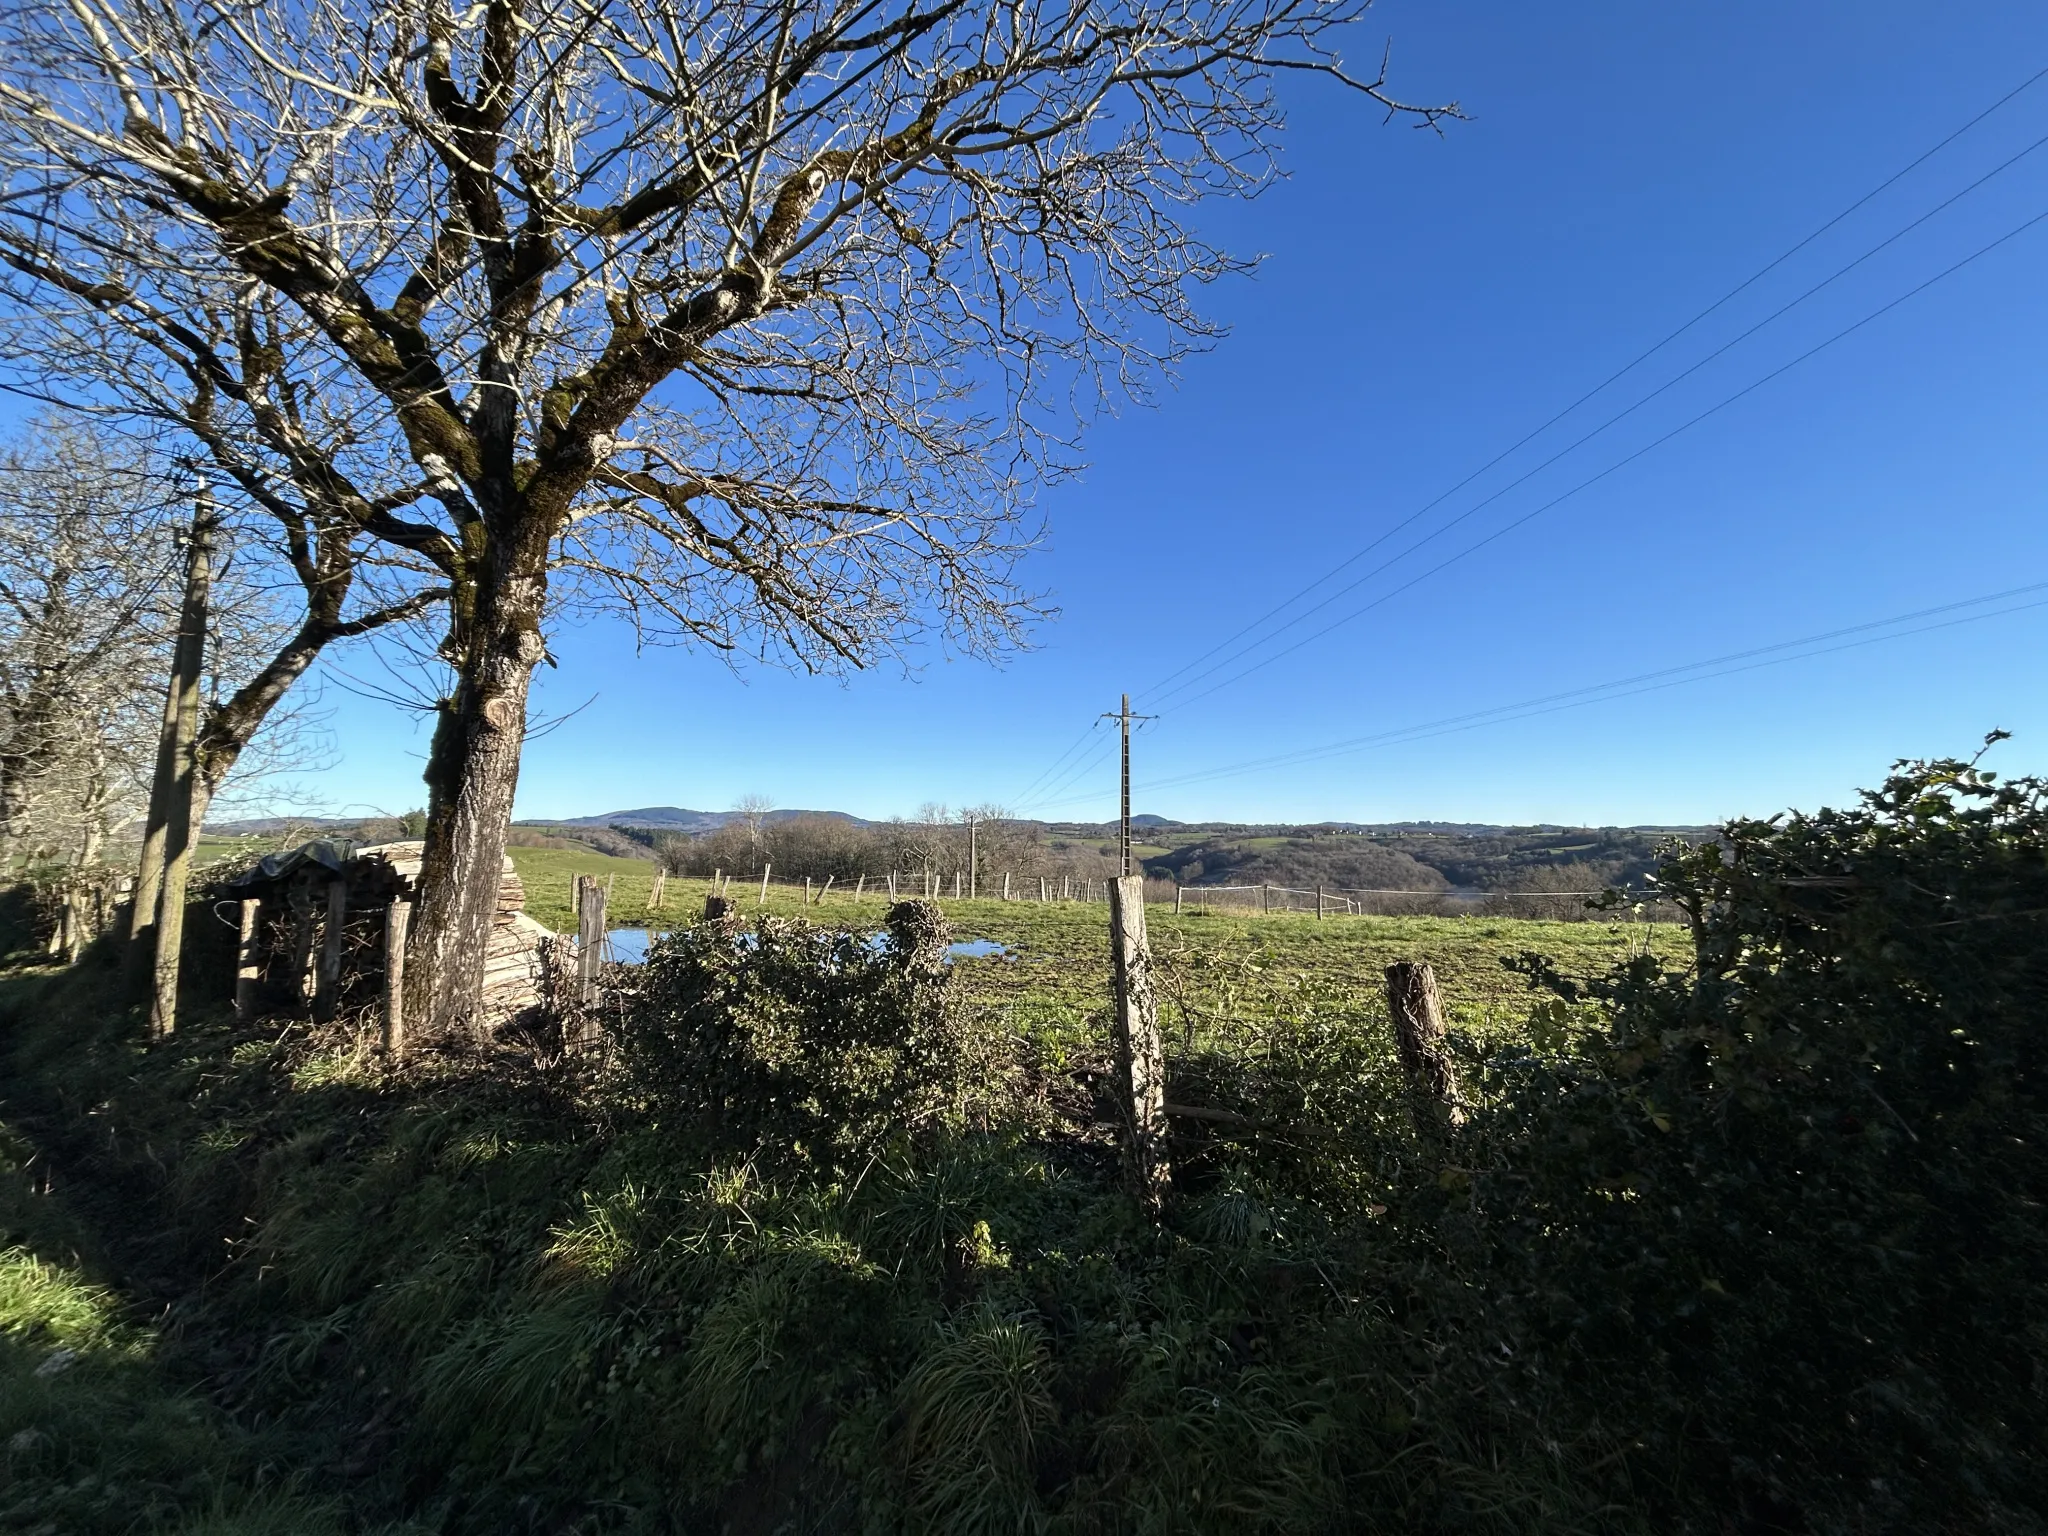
1140 1057
1123 718
178 764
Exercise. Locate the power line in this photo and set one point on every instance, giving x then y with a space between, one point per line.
1591 480
1729 664
1612 378
1088 763
1024 794
1587 437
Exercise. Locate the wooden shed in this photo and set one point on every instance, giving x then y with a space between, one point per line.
314 926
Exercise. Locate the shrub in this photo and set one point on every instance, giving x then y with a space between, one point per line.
797 1040
1782 1215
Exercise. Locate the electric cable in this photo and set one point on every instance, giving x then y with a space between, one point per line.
1748 660
1618 465
1611 379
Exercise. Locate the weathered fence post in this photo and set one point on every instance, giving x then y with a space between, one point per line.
248 963
397 920
1419 1036
1266 896
827 890
1176 898
1319 903
860 887
327 989
892 885
1140 1059
1041 889
766 870
302 956
590 905
654 894
956 885
807 890
1066 887
1006 885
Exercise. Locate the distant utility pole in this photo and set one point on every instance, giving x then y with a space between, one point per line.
1124 717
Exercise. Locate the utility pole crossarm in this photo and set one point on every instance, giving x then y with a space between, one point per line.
1124 717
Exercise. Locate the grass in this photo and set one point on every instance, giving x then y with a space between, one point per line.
1216 969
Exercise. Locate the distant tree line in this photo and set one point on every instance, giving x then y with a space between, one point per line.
936 841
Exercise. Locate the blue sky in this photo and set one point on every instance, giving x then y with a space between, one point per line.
1426 302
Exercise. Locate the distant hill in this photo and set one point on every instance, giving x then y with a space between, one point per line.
676 818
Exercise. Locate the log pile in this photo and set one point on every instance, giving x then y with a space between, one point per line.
390 871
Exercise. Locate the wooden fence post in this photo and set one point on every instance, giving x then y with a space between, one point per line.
1419 1036
397 920
327 989
807 890
1140 1059
860 887
302 956
827 889
654 894
1041 889
956 885
766 870
1066 887
590 905
1006 885
248 963
1319 903
1266 896
892 885
1176 898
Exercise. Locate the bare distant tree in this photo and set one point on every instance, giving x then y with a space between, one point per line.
755 319
752 811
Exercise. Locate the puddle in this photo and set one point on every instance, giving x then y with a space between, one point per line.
629 946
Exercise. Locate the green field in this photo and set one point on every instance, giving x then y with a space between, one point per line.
1215 969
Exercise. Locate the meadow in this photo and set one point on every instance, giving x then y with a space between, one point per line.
1216 970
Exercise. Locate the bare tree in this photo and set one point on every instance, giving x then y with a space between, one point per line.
752 811
754 319
90 566
86 563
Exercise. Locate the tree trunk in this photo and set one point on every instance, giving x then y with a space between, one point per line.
149 873
188 793
472 775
